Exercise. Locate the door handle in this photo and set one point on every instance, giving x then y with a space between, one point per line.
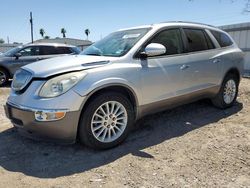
183 67
216 61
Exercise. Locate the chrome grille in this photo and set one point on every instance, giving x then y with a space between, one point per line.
21 79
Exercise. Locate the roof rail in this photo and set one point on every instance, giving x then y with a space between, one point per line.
188 22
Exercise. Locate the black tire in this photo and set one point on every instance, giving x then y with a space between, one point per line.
4 77
219 100
85 134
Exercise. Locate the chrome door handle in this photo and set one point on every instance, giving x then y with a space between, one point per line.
183 67
216 61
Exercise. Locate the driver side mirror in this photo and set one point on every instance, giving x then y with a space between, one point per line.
153 49
17 55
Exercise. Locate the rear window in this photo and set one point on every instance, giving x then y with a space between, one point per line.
197 40
222 38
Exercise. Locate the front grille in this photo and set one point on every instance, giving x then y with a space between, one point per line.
21 80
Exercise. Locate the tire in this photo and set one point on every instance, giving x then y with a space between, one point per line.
95 120
228 88
4 77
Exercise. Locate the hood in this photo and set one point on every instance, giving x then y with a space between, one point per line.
58 65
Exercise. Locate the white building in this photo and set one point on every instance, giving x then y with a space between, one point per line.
241 35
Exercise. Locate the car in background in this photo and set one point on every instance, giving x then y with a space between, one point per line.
15 58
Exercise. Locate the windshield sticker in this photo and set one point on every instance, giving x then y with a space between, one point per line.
129 36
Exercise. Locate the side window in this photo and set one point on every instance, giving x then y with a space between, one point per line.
222 38
47 50
171 39
29 51
63 50
196 40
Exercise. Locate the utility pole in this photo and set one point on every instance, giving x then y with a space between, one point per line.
8 40
31 27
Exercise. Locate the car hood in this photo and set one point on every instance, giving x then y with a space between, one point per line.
58 65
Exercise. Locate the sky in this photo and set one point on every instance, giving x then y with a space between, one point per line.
102 17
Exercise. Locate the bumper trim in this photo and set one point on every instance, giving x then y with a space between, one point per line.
36 109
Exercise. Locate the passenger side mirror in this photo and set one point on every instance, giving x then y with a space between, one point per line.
17 55
153 49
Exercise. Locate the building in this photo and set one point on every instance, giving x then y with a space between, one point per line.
241 35
82 44
6 47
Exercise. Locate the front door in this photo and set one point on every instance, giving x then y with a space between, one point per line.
168 75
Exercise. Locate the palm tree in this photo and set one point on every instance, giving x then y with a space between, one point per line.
42 32
63 31
87 32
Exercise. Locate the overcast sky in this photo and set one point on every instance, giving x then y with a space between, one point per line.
105 16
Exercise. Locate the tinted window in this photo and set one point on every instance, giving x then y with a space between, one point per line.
63 50
29 51
47 50
196 40
222 38
52 50
171 39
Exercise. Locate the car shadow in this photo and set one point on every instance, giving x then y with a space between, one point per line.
47 160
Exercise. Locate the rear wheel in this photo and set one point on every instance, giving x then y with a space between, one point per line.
228 92
106 121
4 77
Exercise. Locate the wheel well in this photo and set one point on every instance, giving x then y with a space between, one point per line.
235 72
3 68
119 89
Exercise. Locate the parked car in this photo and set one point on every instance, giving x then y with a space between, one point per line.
97 96
15 58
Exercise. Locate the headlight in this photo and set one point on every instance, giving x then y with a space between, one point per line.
61 84
21 79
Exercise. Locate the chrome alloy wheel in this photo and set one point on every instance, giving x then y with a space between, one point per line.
109 121
2 77
229 91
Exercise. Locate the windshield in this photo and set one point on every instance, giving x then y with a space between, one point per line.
11 52
116 44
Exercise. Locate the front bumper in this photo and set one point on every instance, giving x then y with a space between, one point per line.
63 130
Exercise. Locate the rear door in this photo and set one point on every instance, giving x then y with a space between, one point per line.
201 55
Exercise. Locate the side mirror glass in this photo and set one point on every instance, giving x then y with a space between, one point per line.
154 49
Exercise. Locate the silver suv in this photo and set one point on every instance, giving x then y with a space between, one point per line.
98 95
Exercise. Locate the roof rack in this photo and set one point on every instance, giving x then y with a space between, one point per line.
188 22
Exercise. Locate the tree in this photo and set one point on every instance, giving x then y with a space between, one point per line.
42 32
1 41
87 32
47 37
63 31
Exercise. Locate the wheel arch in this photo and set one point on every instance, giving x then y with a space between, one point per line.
7 70
121 88
234 71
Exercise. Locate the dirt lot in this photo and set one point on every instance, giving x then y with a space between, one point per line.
195 145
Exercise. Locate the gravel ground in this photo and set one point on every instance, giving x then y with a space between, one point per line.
195 145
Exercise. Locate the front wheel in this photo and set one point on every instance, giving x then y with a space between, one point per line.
4 77
106 121
228 92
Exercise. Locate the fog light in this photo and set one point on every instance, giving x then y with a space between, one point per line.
49 116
